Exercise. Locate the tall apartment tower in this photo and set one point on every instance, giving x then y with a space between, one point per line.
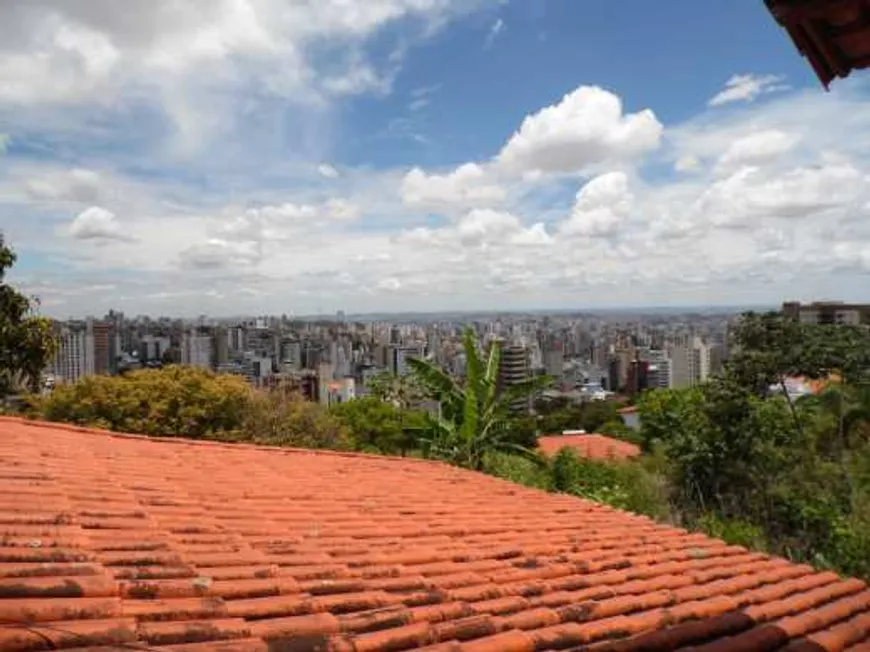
197 350
515 368
101 337
221 346
71 361
690 364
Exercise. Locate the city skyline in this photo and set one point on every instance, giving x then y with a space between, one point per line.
269 157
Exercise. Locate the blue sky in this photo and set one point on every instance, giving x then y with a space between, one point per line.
280 156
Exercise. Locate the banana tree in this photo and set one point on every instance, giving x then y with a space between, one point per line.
476 417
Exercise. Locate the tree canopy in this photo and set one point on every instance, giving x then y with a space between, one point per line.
378 426
745 455
27 344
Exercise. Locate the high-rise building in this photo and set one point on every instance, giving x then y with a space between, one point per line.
515 368
236 338
399 355
221 346
71 359
690 363
101 337
291 354
659 371
638 377
197 350
153 347
554 359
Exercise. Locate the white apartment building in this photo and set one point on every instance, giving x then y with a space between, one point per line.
197 350
75 355
153 347
399 355
690 364
660 371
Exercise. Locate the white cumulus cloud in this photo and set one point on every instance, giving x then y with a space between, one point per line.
97 223
601 207
469 185
746 88
586 129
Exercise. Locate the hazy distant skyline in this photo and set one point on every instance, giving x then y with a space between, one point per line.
281 156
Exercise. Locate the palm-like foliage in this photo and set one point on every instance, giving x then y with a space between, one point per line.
476 418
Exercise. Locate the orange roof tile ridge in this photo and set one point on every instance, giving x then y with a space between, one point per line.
69 427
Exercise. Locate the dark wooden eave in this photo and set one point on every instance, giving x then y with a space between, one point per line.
833 34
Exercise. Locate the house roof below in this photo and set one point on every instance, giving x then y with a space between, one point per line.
112 542
834 35
591 446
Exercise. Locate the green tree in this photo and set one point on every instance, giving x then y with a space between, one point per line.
404 392
476 418
842 417
377 426
280 419
174 401
559 414
27 343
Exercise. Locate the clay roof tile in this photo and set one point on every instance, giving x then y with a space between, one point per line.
194 547
592 446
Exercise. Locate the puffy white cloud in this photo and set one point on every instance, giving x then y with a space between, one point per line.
757 148
469 185
97 223
216 253
774 199
750 194
205 67
487 228
587 129
478 230
601 207
746 88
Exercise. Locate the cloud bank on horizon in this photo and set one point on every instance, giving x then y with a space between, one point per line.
274 156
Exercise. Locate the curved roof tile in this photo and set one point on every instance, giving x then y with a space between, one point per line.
596 447
111 540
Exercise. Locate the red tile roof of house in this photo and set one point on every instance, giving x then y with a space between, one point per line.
595 447
110 540
833 34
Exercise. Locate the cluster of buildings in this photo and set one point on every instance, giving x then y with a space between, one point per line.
590 356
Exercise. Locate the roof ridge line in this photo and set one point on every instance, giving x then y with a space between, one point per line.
69 427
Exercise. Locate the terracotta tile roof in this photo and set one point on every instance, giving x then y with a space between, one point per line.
595 447
193 547
834 35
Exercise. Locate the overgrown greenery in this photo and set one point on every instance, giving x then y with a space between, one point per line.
556 415
749 462
27 343
180 401
377 426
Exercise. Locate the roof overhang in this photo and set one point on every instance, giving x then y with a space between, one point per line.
833 34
